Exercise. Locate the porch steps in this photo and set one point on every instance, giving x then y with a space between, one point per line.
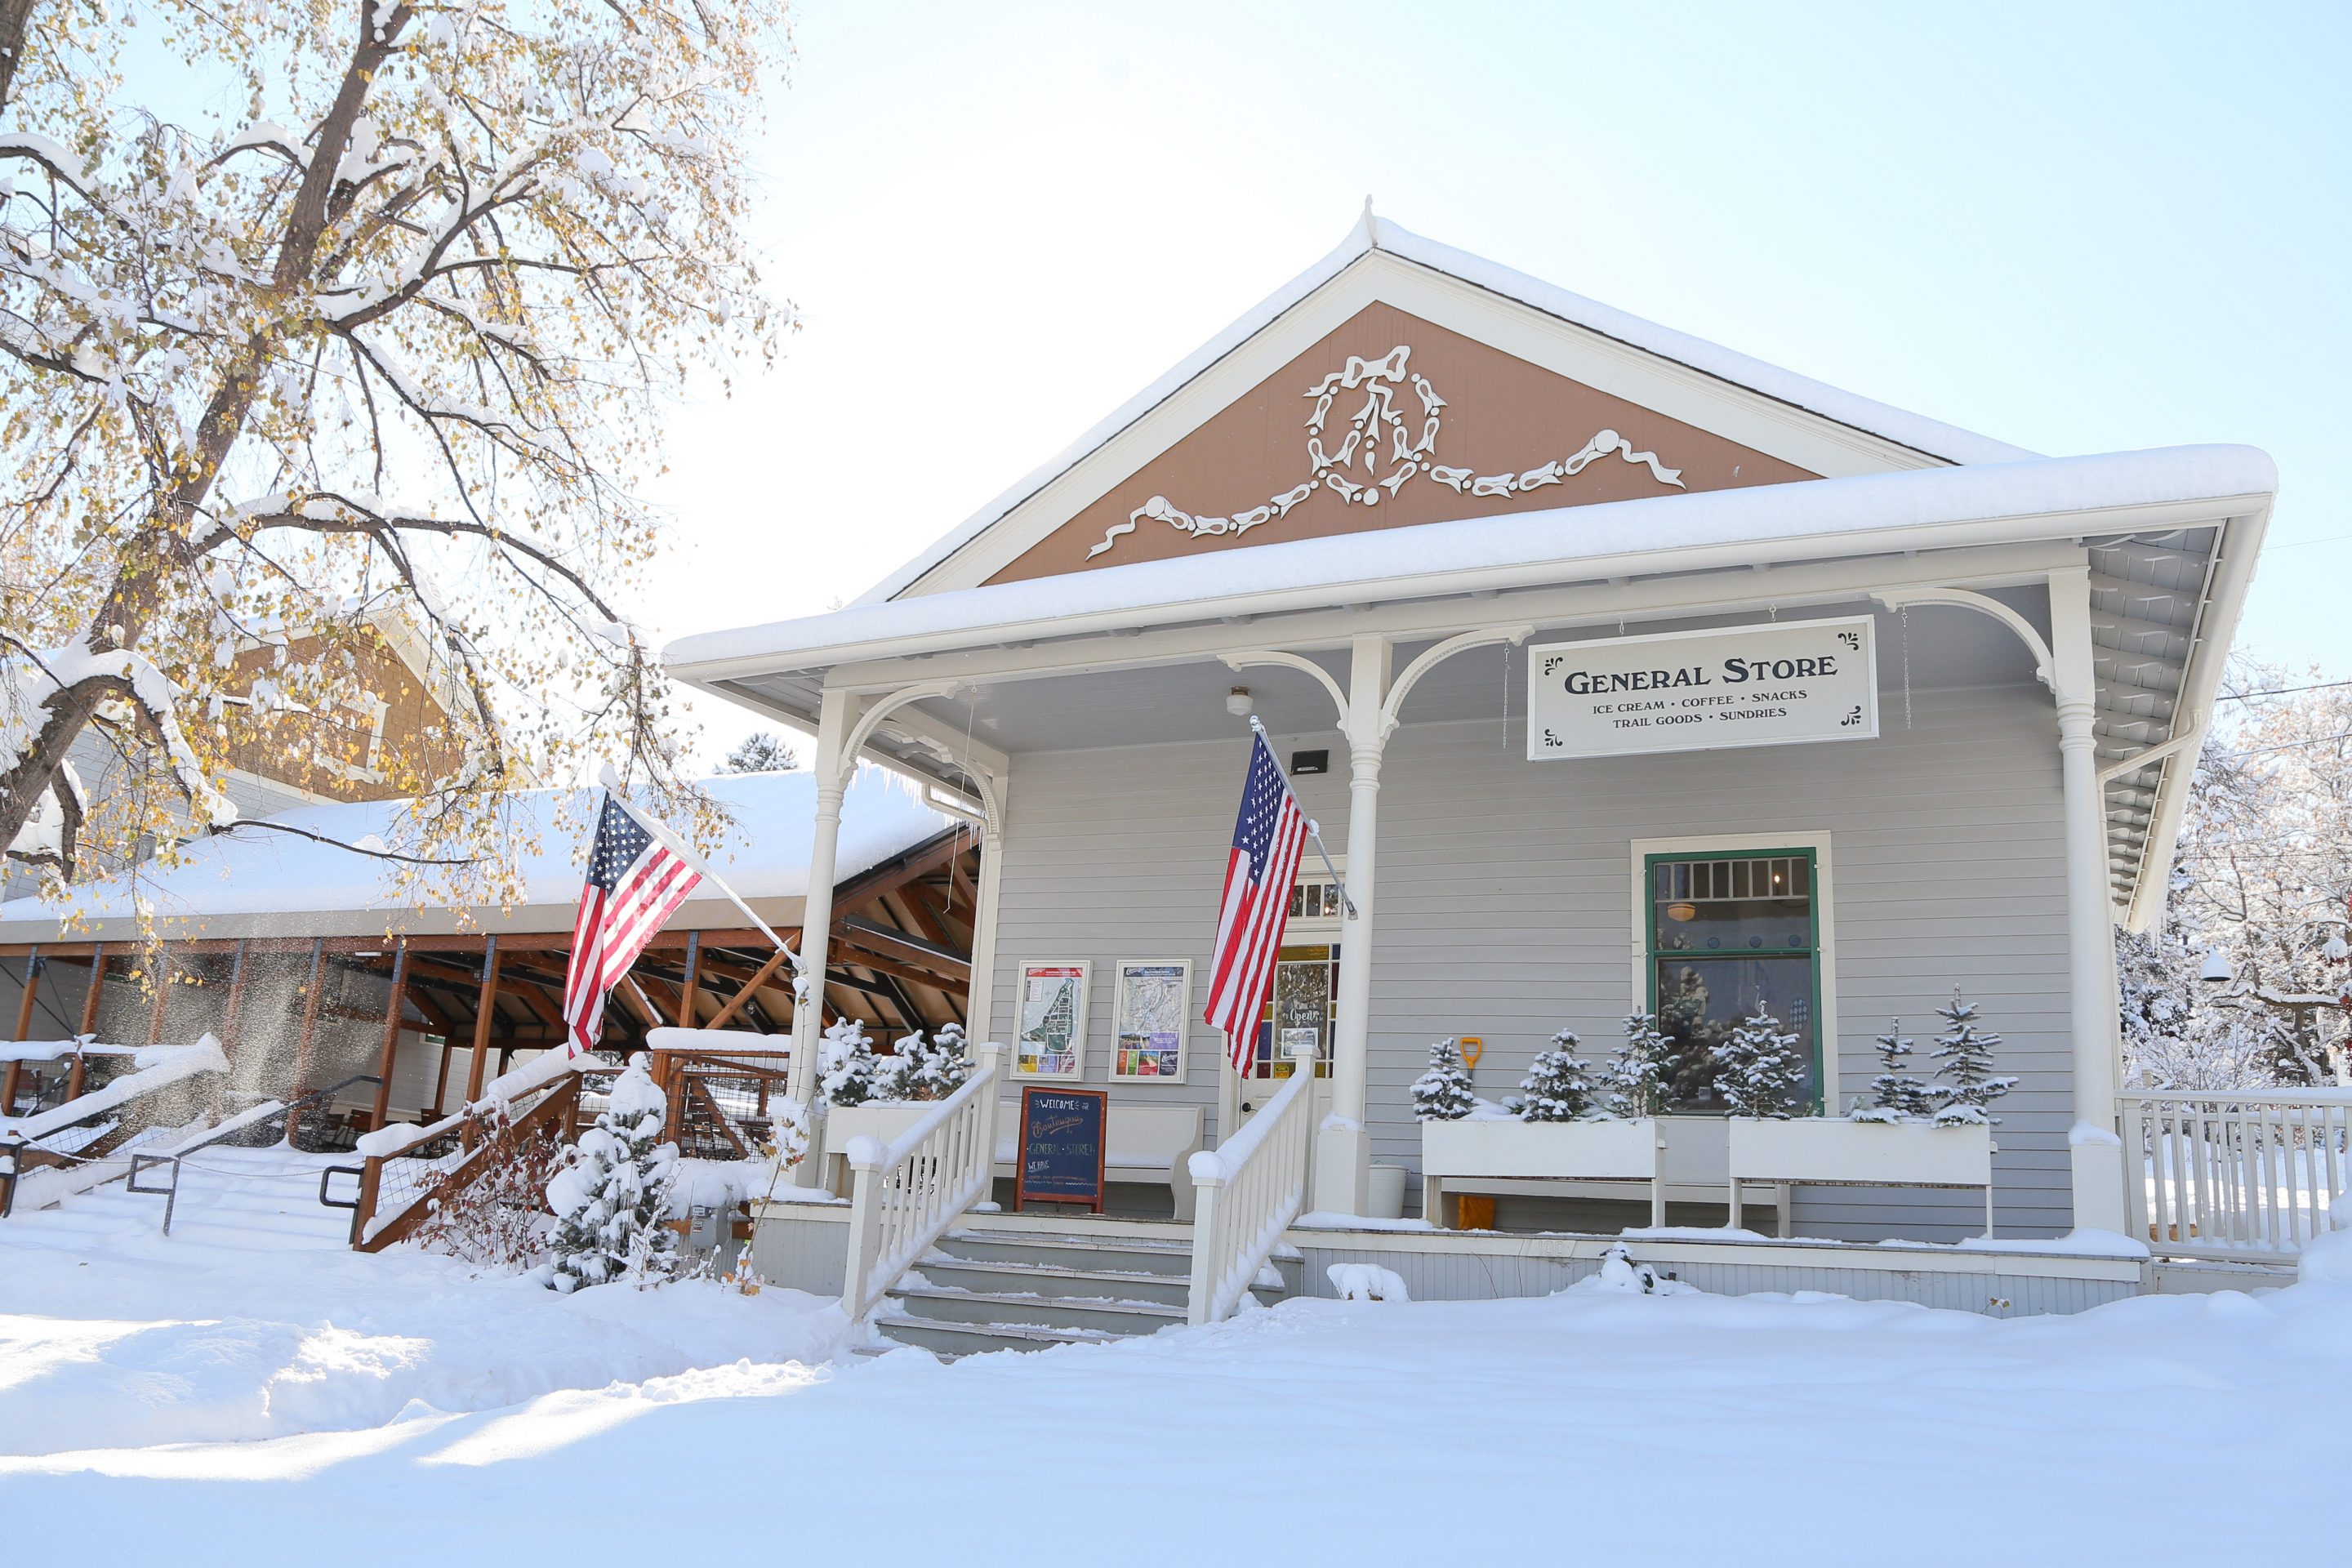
981 1290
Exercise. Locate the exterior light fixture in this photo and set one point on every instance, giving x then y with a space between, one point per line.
2216 968
1682 912
1238 703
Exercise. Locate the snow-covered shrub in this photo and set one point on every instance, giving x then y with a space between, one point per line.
1970 1084
495 1220
1895 1094
853 1073
1637 1077
1759 1070
1444 1093
933 1069
1366 1282
611 1200
1559 1085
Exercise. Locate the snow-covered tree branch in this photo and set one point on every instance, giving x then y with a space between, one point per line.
399 335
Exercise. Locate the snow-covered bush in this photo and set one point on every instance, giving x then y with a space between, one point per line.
1895 1094
1637 1077
1759 1070
1970 1084
933 1069
1444 1093
1559 1086
611 1200
852 1072
495 1220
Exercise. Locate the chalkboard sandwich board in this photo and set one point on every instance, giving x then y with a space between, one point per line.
1062 1147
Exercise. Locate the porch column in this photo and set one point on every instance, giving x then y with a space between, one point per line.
836 715
1343 1146
979 995
2095 1150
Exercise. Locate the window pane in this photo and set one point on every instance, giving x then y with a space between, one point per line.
1734 906
1702 1000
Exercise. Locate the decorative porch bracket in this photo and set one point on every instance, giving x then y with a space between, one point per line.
1369 710
2063 664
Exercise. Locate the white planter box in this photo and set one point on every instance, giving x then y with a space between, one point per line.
879 1119
1471 1152
1824 1151
1833 1152
1559 1151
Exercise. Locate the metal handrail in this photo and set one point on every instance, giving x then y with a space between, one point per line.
242 1122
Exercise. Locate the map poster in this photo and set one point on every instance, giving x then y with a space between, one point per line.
1148 1045
1052 1034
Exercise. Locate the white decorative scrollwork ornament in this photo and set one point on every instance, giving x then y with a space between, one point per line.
1379 435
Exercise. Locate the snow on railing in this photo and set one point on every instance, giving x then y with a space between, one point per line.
1250 1188
906 1194
406 1169
41 1160
2235 1175
153 1068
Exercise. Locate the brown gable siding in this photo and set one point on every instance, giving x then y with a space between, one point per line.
297 748
1501 416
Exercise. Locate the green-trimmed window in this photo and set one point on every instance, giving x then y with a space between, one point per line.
1726 932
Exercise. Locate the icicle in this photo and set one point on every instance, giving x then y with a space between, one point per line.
1904 614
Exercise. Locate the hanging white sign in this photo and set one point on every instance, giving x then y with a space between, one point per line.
1772 685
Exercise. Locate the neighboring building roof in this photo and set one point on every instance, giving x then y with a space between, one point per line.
1932 438
251 880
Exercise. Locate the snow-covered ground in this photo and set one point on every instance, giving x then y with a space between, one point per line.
253 1319
1589 1426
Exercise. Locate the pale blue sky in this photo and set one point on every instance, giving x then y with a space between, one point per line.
2077 228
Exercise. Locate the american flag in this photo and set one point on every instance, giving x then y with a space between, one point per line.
635 882
1267 839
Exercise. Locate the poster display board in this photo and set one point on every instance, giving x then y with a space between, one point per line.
1148 1019
1062 1147
1774 685
1051 1041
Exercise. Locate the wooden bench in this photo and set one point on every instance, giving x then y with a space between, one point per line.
1149 1143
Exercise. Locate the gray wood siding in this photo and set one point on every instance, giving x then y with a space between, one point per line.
1504 905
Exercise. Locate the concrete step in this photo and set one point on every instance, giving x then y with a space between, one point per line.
1116 1318
953 1339
1060 1280
1114 1253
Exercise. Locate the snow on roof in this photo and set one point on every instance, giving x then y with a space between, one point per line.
251 871
1662 533
1905 428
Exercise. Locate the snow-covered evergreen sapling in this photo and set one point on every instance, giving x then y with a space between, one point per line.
1970 1084
1637 1079
1444 1093
1758 1070
933 1069
611 1200
1895 1094
854 1074
1559 1085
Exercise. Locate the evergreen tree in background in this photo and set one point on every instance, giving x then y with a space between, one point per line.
1895 1094
1559 1086
762 752
1758 1070
1970 1084
612 1201
1444 1093
1637 1079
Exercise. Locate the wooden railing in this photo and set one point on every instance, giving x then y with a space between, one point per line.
1249 1190
2234 1175
100 1127
907 1194
399 1192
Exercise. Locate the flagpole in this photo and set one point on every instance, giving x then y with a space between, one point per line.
1313 831
611 781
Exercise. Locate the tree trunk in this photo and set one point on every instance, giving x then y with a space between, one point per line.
16 17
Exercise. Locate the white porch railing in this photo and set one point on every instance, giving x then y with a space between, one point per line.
1250 1188
907 1194
2235 1175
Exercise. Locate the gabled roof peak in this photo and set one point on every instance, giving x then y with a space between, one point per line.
1371 234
